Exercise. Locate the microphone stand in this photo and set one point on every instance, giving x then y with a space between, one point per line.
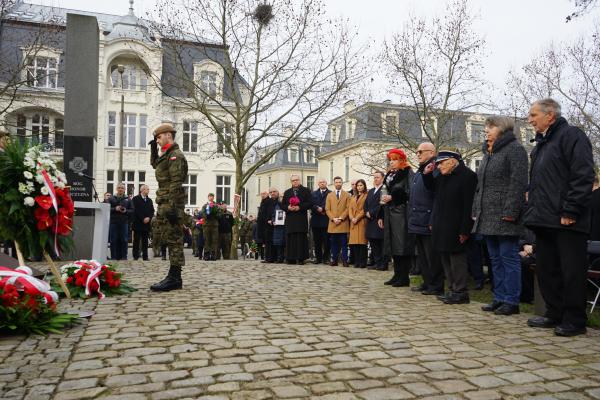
95 196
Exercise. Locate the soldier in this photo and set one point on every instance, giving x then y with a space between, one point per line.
211 213
226 223
245 227
171 171
155 239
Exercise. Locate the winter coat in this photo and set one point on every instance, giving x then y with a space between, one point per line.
319 220
356 209
117 217
261 219
396 239
501 186
278 230
561 177
420 204
337 208
372 206
595 206
297 221
142 209
452 207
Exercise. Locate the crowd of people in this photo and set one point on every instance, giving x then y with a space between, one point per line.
519 212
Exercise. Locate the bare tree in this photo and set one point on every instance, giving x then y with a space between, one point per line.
19 44
571 74
582 7
435 68
285 64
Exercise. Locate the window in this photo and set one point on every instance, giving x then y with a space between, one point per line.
21 127
350 127
477 132
347 168
190 136
293 155
129 180
110 181
141 179
112 127
129 130
429 129
244 209
270 183
309 156
208 83
134 78
222 145
40 125
391 124
330 171
223 189
334 134
143 122
42 72
191 189
310 182
59 133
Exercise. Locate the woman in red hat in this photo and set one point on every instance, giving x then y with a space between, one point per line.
397 242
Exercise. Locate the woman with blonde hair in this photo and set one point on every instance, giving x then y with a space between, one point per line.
358 224
397 242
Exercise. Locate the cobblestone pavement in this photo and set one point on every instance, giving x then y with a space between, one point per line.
245 330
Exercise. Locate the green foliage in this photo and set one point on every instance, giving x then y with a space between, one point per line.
15 320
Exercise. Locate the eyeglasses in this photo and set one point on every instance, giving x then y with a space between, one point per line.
422 151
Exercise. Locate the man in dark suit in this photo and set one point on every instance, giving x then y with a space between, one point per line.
296 203
374 232
319 222
143 211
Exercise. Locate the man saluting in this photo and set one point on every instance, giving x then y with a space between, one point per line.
171 170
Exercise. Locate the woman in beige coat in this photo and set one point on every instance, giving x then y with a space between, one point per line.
358 225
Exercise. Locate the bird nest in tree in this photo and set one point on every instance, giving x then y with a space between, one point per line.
263 13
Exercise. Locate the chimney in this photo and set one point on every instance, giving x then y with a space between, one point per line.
349 106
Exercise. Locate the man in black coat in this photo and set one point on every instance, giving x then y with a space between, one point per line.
261 221
296 203
451 220
558 212
121 210
143 211
269 210
319 223
374 233
420 207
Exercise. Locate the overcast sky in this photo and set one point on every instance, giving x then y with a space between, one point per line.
514 30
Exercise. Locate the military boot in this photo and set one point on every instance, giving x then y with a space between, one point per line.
171 282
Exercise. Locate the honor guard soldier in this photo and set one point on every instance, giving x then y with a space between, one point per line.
171 171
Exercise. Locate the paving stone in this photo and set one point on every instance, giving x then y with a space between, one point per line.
290 391
78 384
421 388
365 384
89 393
483 395
377 372
327 387
385 394
487 381
125 380
224 387
176 393
453 386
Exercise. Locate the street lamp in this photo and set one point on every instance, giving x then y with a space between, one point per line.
121 69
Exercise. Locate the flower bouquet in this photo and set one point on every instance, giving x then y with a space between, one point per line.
211 210
252 249
27 305
86 278
294 201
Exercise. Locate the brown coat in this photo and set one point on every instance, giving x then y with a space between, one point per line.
337 209
356 209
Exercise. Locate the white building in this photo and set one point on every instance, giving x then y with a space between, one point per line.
36 112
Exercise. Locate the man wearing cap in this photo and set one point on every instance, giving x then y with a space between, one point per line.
171 171
451 219
211 214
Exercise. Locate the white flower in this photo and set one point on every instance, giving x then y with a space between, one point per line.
62 177
29 201
39 178
60 185
28 175
44 190
23 188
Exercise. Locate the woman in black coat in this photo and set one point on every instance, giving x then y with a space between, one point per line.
397 242
497 207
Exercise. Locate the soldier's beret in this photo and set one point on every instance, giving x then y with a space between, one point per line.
164 128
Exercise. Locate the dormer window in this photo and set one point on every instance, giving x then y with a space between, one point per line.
429 127
390 122
293 155
476 133
134 78
41 67
208 83
208 78
309 156
334 134
350 128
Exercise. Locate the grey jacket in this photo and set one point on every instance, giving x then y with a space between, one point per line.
501 186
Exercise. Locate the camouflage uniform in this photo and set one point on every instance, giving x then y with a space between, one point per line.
210 229
171 170
155 239
245 233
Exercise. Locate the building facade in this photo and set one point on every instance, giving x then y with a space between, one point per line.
36 111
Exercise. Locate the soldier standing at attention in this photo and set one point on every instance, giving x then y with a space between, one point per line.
211 213
171 171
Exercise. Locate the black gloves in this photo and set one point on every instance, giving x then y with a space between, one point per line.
153 151
172 217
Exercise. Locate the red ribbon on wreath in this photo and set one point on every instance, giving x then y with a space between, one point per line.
21 278
52 194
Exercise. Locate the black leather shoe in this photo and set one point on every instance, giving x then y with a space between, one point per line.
317 262
569 330
146 259
419 288
401 284
443 296
393 280
171 282
457 298
432 292
493 306
542 322
300 262
507 309
164 258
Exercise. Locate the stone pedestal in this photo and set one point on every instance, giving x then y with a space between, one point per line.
90 231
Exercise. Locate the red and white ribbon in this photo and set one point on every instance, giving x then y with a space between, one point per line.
95 269
52 194
21 278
